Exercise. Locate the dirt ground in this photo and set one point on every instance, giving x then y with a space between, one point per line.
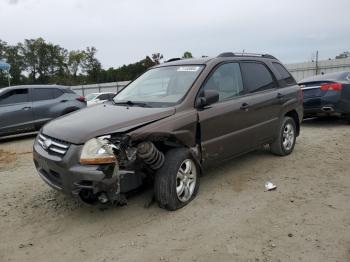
232 219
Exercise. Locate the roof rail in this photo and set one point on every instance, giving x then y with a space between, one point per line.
173 59
231 54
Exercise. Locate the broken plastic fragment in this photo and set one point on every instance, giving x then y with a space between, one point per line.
270 186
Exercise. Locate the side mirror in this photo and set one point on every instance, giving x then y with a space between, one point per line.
208 97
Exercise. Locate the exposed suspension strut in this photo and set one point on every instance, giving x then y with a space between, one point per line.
150 155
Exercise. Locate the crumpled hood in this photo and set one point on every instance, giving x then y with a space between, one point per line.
82 125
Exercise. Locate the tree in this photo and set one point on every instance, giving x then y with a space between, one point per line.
44 62
187 55
157 57
91 65
35 61
75 62
16 60
3 47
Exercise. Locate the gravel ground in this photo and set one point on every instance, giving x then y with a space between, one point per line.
232 219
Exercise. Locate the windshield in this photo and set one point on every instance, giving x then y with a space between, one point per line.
160 87
90 97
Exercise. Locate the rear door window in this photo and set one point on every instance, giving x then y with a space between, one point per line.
283 74
256 77
15 97
226 80
40 94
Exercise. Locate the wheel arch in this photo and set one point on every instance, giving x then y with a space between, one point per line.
69 110
293 114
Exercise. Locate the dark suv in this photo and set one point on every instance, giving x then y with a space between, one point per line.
27 108
168 125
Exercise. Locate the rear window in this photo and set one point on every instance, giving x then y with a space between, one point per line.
283 74
347 77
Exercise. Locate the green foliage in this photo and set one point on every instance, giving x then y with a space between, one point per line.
157 57
187 55
35 61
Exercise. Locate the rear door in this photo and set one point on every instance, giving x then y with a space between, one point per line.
16 113
47 103
262 101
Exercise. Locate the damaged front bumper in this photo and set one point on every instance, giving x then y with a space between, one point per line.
66 174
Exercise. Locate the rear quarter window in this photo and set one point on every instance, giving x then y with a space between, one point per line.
56 93
283 74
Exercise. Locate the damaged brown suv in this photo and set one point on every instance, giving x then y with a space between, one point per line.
168 125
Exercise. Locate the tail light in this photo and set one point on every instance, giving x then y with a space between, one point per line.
81 99
332 87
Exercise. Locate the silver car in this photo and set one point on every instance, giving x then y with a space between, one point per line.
27 108
99 98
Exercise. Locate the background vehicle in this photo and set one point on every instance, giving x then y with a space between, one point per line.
168 125
27 108
327 94
98 98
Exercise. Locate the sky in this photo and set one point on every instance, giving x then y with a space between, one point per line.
125 31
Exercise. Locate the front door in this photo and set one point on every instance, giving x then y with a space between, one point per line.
15 111
224 124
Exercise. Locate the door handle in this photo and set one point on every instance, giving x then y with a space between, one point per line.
62 101
26 108
244 107
279 95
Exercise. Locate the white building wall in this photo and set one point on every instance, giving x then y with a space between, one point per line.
306 69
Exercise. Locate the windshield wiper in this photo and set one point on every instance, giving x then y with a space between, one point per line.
132 103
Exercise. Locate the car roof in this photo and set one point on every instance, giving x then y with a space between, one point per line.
222 57
337 76
37 86
189 61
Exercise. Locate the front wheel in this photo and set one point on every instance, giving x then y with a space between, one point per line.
177 181
285 141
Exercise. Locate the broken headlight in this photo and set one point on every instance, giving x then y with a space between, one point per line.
97 151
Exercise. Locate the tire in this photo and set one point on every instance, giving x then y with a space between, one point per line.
285 141
348 119
174 189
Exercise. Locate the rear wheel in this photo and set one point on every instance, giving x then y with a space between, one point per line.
177 181
285 142
348 119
